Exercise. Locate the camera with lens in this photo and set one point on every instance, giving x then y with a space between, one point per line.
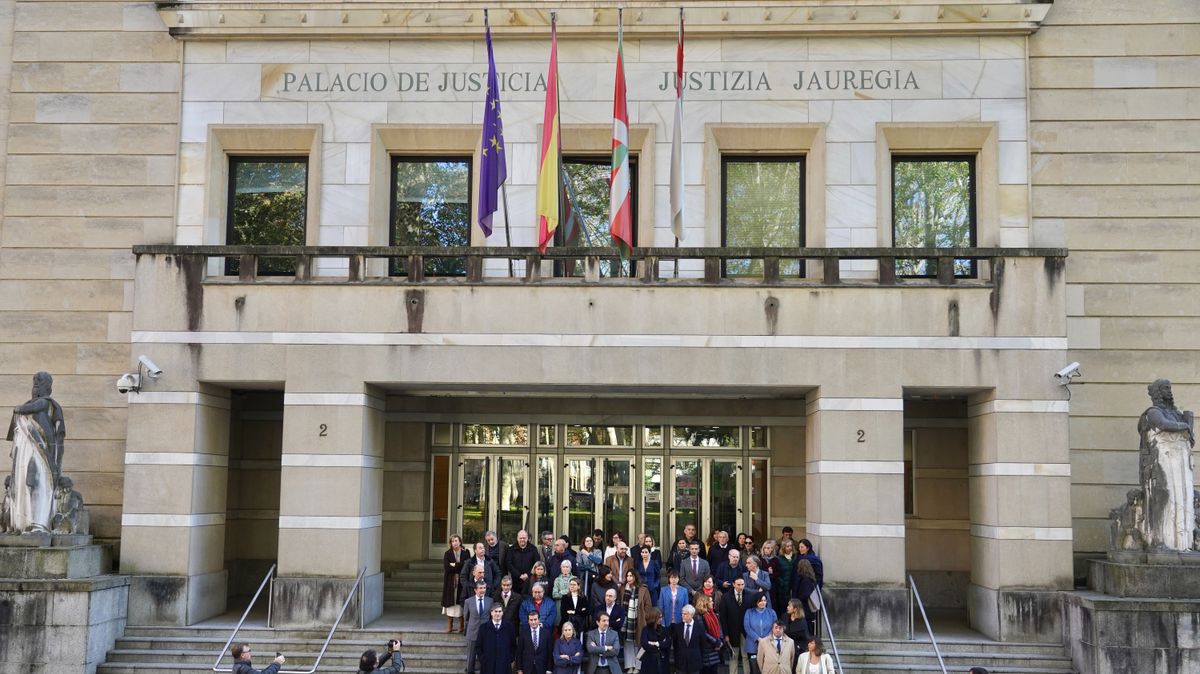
394 645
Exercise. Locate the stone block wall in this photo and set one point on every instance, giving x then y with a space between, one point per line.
1115 143
89 109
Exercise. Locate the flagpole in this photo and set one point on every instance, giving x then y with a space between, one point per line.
507 232
679 93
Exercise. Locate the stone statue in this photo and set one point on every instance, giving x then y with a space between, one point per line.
37 432
1167 472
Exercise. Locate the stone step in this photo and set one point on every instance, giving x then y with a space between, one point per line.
935 669
374 634
958 645
956 661
212 645
452 660
167 667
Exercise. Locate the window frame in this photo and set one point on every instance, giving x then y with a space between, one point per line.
972 160
738 157
394 158
233 159
601 160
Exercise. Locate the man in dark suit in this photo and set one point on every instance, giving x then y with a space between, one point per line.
476 610
612 610
496 639
511 601
688 635
495 549
533 647
520 560
694 569
718 554
732 609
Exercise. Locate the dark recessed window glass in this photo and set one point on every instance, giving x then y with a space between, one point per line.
933 206
589 179
762 206
267 207
431 206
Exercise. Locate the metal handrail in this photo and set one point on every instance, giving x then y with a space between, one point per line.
916 594
325 646
328 638
217 665
829 628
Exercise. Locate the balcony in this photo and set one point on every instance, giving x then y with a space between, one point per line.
567 266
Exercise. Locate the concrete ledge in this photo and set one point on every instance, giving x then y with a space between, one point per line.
1029 616
55 562
1107 635
859 612
315 602
55 625
1155 577
176 601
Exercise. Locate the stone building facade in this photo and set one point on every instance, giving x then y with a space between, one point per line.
330 423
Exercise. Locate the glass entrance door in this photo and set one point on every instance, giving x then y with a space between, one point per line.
618 497
494 496
706 492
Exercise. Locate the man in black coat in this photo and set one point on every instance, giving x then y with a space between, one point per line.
496 549
241 661
521 558
495 648
732 609
533 647
510 601
688 636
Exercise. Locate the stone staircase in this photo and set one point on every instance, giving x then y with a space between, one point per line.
190 650
417 587
960 654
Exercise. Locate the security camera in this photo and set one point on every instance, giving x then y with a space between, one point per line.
129 382
153 371
1065 375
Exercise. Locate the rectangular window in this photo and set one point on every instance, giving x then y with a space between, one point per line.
728 437
599 436
431 206
267 207
588 180
933 206
478 435
762 206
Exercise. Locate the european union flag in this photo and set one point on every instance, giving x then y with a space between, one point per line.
492 170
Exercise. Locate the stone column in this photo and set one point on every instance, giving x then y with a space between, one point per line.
1020 492
855 509
330 508
173 514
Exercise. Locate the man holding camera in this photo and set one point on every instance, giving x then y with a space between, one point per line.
371 663
241 661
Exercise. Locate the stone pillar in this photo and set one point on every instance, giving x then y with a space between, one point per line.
173 514
1020 492
330 508
855 510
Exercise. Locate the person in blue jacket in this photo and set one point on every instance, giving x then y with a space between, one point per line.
540 603
671 600
756 624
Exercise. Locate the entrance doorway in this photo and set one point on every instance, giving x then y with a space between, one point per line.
574 478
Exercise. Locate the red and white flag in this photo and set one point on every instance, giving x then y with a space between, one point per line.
619 196
677 142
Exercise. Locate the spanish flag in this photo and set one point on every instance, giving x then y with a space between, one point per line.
549 185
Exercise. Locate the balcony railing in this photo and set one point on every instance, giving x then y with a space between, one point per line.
668 266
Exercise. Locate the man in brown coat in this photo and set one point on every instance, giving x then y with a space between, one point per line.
776 651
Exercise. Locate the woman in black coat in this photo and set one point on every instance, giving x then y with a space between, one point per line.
452 565
804 588
655 643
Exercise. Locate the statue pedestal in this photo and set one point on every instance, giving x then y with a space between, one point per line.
1154 575
1140 614
62 611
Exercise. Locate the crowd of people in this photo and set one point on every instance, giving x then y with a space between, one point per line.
601 604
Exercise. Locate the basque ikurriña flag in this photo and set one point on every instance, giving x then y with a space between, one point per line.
492 169
619 197
549 184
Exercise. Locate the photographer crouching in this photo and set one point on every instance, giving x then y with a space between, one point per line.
241 661
370 662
